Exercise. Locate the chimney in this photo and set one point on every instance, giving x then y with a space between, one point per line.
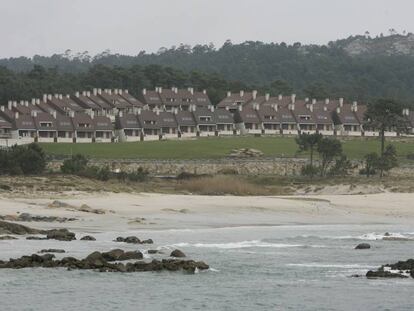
121 114
84 93
99 91
275 107
228 94
109 91
44 98
256 106
126 91
240 107
254 93
88 93
144 91
311 108
338 110
307 100
241 93
34 113
95 91
157 111
341 102
191 90
77 94
67 96
205 92
280 97
2 108
120 91
49 97
326 101
355 105
325 108
176 90
37 101
15 104
139 111
160 89
9 105
92 114
60 96
313 101
267 97
71 113
292 106
22 103
16 115
212 108
54 114
293 97
175 110
116 91
26 103
56 95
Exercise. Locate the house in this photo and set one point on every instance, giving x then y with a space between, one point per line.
117 102
84 127
347 123
134 102
65 129
187 126
149 121
6 126
46 127
205 120
200 98
104 130
224 121
106 108
25 127
152 99
303 114
247 119
287 121
128 127
168 124
24 107
270 118
323 118
62 104
409 117
83 99
233 101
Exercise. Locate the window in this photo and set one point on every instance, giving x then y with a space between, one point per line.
45 124
205 118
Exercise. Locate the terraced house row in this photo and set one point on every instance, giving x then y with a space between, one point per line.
115 115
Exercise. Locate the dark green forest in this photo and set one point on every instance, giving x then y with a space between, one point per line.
312 70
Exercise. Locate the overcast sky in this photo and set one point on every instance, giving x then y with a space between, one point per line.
29 27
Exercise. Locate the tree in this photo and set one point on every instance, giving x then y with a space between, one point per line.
25 160
77 163
383 115
308 142
371 163
328 149
388 160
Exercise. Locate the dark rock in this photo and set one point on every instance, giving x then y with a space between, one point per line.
7 237
177 253
95 260
113 255
11 228
384 274
35 238
363 246
88 238
29 217
148 241
52 250
60 235
132 240
399 270
152 251
119 239
131 255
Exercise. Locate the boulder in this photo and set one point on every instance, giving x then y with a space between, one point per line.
11 228
88 238
132 240
52 250
7 237
36 238
113 255
177 253
152 251
363 246
94 260
87 209
148 241
131 255
60 235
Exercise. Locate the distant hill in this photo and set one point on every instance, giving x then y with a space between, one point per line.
359 67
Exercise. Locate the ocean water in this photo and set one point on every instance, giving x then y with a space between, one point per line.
252 268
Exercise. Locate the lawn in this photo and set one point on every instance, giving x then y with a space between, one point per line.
210 148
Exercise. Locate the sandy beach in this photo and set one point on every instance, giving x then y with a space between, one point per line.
126 212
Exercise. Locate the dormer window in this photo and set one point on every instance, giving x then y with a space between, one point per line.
45 124
304 117
205 118
84 125
149 122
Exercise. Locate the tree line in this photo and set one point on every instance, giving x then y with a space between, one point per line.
308 70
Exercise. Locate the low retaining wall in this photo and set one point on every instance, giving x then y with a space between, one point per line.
276 166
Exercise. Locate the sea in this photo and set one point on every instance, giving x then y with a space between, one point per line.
289 267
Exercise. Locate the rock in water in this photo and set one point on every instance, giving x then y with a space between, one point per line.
363 246
52 250
11 228
7 237
177 253
60 235
88 238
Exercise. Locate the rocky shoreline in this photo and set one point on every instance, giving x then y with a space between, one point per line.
401 269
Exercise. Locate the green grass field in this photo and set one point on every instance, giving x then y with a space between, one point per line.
211 148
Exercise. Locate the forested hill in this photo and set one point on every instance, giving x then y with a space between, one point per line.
359 67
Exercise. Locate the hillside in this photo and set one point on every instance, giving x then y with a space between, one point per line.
359 67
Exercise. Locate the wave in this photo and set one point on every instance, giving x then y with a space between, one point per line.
236 245
341 266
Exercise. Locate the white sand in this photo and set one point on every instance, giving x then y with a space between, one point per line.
189 211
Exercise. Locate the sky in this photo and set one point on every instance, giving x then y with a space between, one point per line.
45 27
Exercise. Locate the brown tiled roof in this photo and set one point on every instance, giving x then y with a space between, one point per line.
99 101
4 123
64 123
45 117
115 100
203 115
167 119
102 123
185 118
81 119
223 116
268 114
128 121
151 98
247 115
86 102
234 100
302 114
25 122
132 100
149 119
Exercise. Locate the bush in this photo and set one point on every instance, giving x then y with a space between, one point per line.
309 170
76 164
228 171
17 160
410 156
341 167
371 164
139 175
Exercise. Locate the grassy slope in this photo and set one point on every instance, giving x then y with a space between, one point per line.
204 148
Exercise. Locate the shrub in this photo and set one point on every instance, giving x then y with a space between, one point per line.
371 164
76 164
309 170
139 175
410 156
228 171
341 167
17 160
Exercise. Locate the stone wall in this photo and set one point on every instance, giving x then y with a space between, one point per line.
275 166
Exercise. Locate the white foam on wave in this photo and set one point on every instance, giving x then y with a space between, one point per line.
373 236
236 245
340 266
